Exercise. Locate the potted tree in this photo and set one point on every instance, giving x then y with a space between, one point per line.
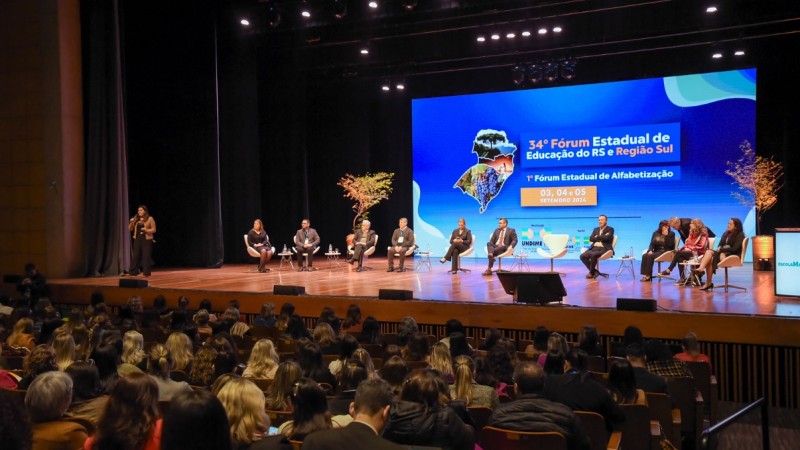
366 191
759 179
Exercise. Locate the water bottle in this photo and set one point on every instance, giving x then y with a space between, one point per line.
330 248
630 253
284 248
428 249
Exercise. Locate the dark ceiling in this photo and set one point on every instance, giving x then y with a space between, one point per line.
440 35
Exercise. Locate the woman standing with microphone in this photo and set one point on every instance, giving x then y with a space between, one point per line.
143 226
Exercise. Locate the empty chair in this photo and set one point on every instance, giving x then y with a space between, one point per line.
733 261
595 427
661 410
706 384
491 438
638 431
480 415
556 247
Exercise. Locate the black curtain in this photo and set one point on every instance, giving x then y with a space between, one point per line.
106 240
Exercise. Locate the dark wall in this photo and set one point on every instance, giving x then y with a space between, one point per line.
287 135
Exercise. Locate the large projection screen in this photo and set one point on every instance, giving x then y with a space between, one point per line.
552 159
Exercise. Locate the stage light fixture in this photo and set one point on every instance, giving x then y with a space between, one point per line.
385 86
535 73
339 9
567 69
305 13
717 55
245 22
518 74
510 35
373 4
495 36
526 33
739 53
364 51
400 86
557 29
409 5
711 9
481 39
542 30
273 14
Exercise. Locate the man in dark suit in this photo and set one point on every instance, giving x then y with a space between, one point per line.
502 238
364 240
602 239
645 380
306 240
402 240
681 225
370 412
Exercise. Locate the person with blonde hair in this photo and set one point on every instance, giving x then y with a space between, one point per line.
279 394
244 405
441 361
22 336
326 338
364 356
133 349
64 346
263 362
180 348
235 326
159 364
465 387
695 244
556 342
83 342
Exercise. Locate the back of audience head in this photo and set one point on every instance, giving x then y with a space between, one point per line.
180 348
394 371
632 335
440 359
501 362
179 320
347 345
418 347
690 344
64 345
159 361
353 373
183 303
135 302
588 338
201 317
132 347
283 385
49 396
263 356
244 406
85 381
268 310
221 381
491 338
310 409
464 369
328 315
40 360
422 386
453 326
392 350
405 329
554 362
353 316
15 423
529 378
557 342
202 371
459 345
324 334
364 356
483 372
196 420
635 354
578 360
373 396
371 331
309 356
205 304
622 381
657 351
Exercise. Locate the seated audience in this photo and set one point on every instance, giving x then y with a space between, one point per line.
263 360
267 317
196 420
64 346
22 336
347 345
159 366
450 327
233 325
459 345
41 359
421 418
279 394
554 364
243 402
661 362
88 399
691 351
47 400
15 423
589 341
204 330
364 356
227 357
106 359
370 411
394 371
310 413
352 320
371 332
328 315
555 342
441 361
405 329
291 325
646 381
202 372
83 343
490 338
622 384
532 411
133 350
632 335
467 389
501 362
353 373
326 338
576 389
418 348
180 349
309 357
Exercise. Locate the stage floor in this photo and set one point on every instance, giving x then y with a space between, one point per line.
437 284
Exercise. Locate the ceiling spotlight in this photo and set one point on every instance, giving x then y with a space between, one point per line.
305 13
526 33
339 9
556 29
495 36
385 86
400 86
717 55
739 53
373 4
542 30
409 5
711 9
273 14
481 39
511 35
364 51
245 22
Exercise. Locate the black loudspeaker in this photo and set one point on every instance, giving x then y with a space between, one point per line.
533 287
280 289
395 294
132 283
636 304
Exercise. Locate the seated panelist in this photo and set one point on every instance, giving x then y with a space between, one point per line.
602 240
696 244
730 244
460 241
363 240
306 242
402 240
663 240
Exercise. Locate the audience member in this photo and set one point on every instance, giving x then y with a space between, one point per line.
632 335
364 356
133 350
347 345
405 329
279 394
326 338
83 342
88 401
22 336
466 389
227 358
691 351
233 325
418 348
180 349
33 285
441 361
394 371
15 423
661 362
421 418
532 411
202 371
502 364
371 332
491 338
310 413
589 341
106 358
370 411
554 363
267 317
645 380
555 342
159 366
353 373
64 346
244 404
459 345
42 359
291 325
328 315
309 357
196 420
352 320
450 327
622 384
263 360
47 400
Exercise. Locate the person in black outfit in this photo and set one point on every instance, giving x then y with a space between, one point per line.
306 242
663 240
33 285
646 381
460 241
363 240
259 240
143 227
730 244
502 239
602 240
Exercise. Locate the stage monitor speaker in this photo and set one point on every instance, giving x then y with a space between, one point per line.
533 287
395 294
132 283
280 289
636 304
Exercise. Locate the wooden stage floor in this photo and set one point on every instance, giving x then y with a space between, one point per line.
437 284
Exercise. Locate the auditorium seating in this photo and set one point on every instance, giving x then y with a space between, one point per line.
491 438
